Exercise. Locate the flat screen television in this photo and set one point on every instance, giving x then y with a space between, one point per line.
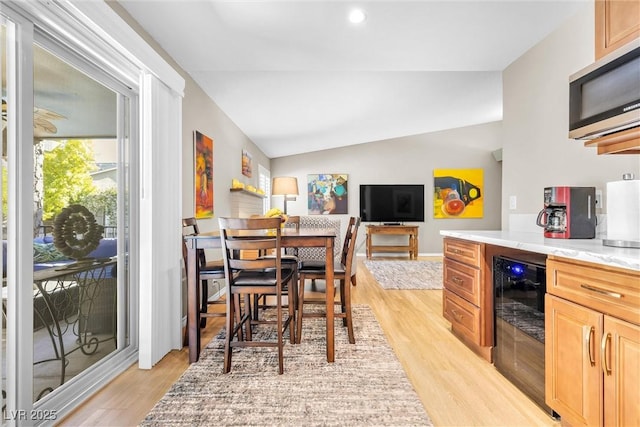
389 203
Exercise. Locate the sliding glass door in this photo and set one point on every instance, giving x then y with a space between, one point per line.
66 291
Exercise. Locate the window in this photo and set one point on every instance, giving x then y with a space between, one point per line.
264 183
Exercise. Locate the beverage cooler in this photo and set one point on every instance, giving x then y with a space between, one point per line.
519 289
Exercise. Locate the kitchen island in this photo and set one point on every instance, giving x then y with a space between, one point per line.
591 317
588 250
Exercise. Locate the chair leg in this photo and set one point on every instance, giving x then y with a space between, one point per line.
291 304
347 310
256 303
247 308
280 332
301 281
294 283
342 302
229 324
238 315
204 305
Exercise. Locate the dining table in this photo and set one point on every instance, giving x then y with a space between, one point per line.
290 238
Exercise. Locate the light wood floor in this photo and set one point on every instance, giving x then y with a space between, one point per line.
456 387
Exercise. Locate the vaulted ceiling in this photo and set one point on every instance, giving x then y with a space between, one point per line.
297 76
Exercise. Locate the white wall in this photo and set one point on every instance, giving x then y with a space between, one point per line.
200 113
537 152
407 160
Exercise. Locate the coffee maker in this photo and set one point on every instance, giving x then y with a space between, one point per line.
569 213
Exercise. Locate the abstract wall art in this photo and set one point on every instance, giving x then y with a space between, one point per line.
246 163
203 179
328 194
458 193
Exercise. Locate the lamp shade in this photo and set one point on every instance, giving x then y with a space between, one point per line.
284 186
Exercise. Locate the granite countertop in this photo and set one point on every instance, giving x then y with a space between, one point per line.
590 250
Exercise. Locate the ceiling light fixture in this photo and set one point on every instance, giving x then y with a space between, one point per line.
357 16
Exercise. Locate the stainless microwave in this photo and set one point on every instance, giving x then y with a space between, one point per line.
605 97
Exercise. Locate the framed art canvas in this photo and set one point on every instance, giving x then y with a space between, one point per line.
327 194
458 193
203 179
246 163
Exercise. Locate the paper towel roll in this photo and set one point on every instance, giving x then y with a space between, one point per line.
623 210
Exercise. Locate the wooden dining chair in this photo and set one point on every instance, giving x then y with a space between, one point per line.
247 277
289 260
342 272
206 270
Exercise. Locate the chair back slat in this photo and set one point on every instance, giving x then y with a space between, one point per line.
242 244
257 223
252 264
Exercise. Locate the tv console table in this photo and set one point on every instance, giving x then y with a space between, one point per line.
409 230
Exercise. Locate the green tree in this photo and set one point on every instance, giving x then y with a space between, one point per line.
66 175
103 204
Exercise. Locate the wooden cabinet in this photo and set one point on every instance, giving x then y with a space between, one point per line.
592 349
617 23
623 142
466 301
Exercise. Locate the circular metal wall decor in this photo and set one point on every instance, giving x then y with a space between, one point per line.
72 222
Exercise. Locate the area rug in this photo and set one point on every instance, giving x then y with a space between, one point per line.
406 274
365 386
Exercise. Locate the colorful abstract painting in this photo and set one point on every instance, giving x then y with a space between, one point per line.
327 194
246 163
458 193
203 178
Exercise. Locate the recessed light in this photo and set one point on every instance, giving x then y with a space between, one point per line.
357 16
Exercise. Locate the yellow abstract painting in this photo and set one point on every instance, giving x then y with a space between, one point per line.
458 193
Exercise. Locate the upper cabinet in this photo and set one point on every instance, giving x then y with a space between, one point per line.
617 23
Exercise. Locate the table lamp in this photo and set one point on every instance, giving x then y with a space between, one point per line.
286 186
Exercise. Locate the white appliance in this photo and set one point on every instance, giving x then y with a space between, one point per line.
623 213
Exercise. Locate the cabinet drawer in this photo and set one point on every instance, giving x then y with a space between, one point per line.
469 253
608 290
462 280
464 316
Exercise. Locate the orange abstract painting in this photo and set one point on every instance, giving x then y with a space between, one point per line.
203 178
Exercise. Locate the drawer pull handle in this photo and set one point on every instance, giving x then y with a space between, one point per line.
589 335
603 354
456 315
601 291
457 280
456 251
